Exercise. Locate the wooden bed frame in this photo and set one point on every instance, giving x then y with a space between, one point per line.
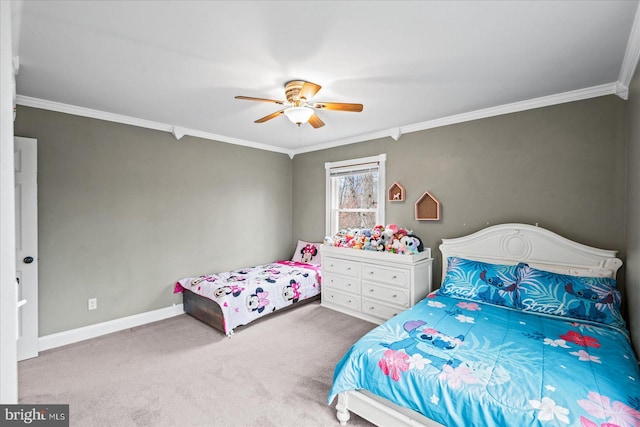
499 244
208 311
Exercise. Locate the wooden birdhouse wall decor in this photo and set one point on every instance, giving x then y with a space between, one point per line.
396 193
427 208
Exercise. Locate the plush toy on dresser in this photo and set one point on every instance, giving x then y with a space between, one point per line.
391 238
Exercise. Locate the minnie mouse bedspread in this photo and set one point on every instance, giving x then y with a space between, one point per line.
464 363
244 295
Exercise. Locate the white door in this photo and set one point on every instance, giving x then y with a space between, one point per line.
26 193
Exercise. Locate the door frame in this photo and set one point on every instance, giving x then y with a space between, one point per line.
27 235
8 290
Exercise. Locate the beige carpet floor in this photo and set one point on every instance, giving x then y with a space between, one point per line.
180 372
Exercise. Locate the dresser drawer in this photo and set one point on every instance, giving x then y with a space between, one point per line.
373 285
386 275
341 266
342 283
351 302
386 294
379 310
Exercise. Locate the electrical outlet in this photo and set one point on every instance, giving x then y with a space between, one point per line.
92 303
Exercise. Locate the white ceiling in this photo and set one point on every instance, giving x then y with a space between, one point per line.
413 64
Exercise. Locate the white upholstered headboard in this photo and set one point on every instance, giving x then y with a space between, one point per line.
536 246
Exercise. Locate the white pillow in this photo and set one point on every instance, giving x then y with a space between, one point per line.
307 252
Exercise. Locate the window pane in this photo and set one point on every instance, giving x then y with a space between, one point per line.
358 191
356 220
354 190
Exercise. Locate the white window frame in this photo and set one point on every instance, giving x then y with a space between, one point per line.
354 165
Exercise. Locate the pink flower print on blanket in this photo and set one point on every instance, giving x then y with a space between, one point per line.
393 363
258 300
457 377
614 413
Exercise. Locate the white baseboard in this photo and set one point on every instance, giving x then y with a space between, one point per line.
48 342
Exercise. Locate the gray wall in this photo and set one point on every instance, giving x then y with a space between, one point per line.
124 212
562 167
633 212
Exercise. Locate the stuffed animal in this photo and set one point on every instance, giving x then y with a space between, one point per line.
391 229
410 245
401 233
397 247
417 245
368 246
391 238
358 242
376 237
376 244
386 239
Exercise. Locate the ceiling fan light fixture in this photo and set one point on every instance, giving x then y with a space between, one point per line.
299 115
299 111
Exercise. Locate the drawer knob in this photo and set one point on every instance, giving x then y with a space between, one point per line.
372 308
349 301
371 272
371 290
394 277
395 296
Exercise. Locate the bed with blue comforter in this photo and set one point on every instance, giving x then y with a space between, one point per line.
504 345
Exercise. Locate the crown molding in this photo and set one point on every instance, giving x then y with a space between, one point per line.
345 141
622 91
177 131
631 55
615 88
545 101
514 107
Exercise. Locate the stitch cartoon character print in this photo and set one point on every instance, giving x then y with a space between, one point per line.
463 363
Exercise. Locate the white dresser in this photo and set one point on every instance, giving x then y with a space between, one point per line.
371 285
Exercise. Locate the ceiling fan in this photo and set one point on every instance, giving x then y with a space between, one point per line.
300 109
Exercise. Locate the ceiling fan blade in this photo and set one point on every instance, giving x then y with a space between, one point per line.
338 106
249 98
308 90
315 121
269 117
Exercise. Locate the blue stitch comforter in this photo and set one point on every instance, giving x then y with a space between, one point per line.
467 363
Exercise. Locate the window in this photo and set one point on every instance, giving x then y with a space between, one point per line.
355 193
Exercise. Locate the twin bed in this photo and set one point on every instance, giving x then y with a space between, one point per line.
230 299
524 331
